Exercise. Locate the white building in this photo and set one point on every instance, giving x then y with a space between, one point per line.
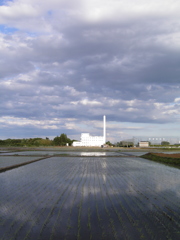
143 144
92 141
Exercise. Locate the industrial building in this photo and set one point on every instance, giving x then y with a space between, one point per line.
92 141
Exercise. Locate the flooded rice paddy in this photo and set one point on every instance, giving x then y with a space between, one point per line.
54 153
90 197
6 161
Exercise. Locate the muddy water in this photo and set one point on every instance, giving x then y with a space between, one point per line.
90 198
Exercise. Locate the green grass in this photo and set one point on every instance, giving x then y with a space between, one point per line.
175 162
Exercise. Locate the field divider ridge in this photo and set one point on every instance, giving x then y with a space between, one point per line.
22 164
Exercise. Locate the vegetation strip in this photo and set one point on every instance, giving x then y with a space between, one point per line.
172 161
21 164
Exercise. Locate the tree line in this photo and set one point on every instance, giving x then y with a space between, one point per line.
61 140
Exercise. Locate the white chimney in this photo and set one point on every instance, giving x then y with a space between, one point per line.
104 129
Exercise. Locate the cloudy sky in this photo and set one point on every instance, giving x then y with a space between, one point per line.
66 63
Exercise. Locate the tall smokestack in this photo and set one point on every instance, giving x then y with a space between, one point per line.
104 129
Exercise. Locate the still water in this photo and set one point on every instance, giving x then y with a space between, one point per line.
52 153
90 198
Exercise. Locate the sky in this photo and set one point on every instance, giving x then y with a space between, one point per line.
66 63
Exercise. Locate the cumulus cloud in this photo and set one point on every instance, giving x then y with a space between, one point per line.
80 60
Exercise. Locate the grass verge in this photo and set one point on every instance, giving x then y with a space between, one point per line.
175 162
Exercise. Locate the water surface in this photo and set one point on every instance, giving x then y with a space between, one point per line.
90 198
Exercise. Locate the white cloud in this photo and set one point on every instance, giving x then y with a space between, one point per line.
42 124
15 11
72 91
79 60
177 100
125 10
171 112
87 102
131 110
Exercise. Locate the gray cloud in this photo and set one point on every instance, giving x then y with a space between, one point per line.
85 60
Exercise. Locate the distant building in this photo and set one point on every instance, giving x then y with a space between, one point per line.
156 140
143 144
92 141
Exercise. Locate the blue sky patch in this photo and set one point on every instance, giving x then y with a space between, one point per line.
3 2
7 30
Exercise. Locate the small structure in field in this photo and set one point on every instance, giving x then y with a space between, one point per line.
143 144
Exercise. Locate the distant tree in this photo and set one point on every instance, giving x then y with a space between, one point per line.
45 142
56 141
125 144
62 140
109 143
165 143
117 144
2 143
